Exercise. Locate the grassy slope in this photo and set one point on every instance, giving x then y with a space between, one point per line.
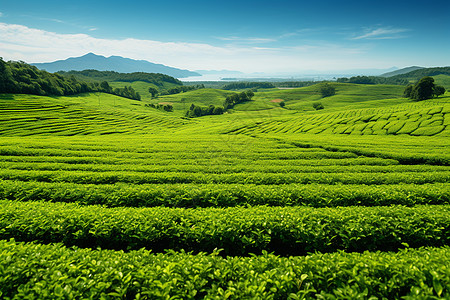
142 87
204 97
94 113
443 80
355 109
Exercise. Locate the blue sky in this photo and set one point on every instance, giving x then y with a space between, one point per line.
249 36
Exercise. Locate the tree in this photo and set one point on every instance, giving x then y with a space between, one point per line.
235 98
327 90
439 90
424 89
218 110
318 105
105 87
408 91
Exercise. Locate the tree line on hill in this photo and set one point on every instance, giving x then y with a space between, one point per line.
22 78
200 111
126 91
153 78
241 85
373 80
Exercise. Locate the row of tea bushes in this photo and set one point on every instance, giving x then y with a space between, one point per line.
33 271
85 177
226 195
236 230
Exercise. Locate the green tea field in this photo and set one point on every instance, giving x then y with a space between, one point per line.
103 197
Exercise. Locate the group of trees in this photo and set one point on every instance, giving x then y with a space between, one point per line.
230 101
326 90
318 105
373 80
199 111
176 90
163 106
154 78
126 91
237 98
183 89
22 78
294 84
423 89
248 85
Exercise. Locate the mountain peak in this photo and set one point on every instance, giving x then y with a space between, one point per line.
112 63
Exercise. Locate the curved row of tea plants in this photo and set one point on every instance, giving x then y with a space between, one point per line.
427 118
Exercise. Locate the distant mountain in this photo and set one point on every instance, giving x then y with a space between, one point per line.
401 71
112 63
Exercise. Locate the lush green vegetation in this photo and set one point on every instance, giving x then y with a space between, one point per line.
326 90
243 85
416 75
368 174
154 78
60 272
373 80
237 231
19 77
424 89
235 98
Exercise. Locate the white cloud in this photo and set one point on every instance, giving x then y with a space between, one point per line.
18 42
382 34
1 14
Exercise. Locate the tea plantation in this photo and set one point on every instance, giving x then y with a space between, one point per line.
103 197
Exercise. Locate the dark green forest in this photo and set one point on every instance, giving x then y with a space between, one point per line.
22 78
154 78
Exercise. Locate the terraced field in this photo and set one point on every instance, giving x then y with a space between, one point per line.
417 119
85 114
117 200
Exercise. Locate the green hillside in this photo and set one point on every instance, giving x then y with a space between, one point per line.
95 113
443 80
417 74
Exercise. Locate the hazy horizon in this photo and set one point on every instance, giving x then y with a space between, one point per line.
286 37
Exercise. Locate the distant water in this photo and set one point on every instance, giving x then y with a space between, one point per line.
211 77
254 77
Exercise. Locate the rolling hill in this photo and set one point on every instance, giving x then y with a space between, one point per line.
401 71
419 73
